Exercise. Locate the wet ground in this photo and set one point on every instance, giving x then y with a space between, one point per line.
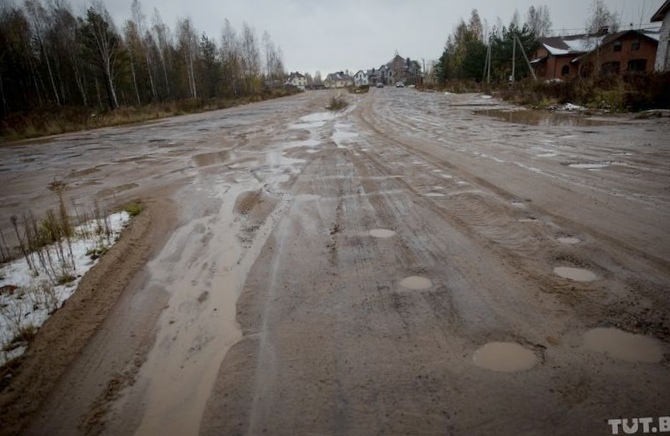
407 265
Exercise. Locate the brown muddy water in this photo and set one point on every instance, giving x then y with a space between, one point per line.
623 345
382 233
542 118
504 357
576 274
416 283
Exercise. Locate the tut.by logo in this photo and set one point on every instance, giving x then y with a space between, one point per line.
640 425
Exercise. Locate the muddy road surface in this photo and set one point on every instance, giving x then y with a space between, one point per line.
409 265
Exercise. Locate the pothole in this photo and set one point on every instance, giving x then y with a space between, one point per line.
576 274
416 283
623 345
504 357
382 233
569 240
590 165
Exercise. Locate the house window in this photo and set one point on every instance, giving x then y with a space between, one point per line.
610 68
617 46
635 45
637 65
565 70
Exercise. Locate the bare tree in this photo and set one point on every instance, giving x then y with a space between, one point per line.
139 19
39 20
601 18
103 45
230 55
188 46
538 20
251 63
164 40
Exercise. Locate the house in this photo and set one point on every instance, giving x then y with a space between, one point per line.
663 50
619 53
400 69
361 78
298 80
553 59
566 57
338 80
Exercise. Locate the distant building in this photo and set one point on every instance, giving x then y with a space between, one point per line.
566 57
338 80
298 80
663 50
361 78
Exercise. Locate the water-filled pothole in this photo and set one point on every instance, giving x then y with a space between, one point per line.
576 274
537 118
589 165
382 233
623 345
416 283
504 357
569 240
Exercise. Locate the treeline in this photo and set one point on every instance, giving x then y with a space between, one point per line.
50 58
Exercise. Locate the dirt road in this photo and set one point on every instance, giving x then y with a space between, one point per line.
406 266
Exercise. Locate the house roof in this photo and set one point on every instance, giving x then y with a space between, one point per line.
661 12
338 76
571 44
295 75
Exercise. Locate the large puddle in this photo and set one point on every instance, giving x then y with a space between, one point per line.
382 233
539 118
416 283
504 357
623 345
576 274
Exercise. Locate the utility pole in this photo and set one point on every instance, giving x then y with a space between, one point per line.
530 68
513 60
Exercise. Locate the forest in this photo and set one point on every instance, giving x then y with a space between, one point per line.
60 71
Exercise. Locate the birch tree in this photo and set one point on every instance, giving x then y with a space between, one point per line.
103 45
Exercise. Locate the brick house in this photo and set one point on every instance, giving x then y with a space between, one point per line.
663 51
620 53
566 57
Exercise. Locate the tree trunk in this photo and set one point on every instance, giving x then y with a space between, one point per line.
132 70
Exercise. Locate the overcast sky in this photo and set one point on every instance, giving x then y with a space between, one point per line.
332 35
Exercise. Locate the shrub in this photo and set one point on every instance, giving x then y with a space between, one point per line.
337 103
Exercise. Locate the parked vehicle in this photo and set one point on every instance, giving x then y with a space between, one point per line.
399 85
379 85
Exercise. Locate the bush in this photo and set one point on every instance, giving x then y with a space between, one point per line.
337 103
134 209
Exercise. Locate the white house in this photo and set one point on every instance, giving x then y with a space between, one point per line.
338 80
663 50
298 80
361 78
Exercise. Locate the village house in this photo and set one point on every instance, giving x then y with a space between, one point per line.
338 80
298 80
566 57
361 78
663 50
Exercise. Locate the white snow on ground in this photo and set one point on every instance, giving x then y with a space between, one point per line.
36 295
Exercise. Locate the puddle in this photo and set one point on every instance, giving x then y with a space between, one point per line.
547 155
382 233
518 204
504 357
416 283
569 240
313 121
434 194
576 274
623 345
590 165
206 159
538 118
